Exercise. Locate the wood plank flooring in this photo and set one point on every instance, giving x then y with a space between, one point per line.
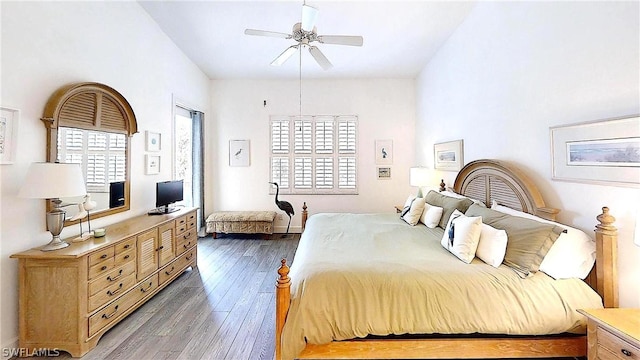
224 309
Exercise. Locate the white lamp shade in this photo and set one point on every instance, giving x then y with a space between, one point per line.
53 180
420 176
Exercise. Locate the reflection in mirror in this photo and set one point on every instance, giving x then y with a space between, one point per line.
102 157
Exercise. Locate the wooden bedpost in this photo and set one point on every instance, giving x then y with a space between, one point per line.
607 259
283 297
305 215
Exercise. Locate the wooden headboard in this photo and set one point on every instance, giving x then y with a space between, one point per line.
495 180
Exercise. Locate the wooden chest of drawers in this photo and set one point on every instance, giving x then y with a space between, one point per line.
613 334
70 297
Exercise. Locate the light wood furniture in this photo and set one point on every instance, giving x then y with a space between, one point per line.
241 222
613 333
70 297
486 180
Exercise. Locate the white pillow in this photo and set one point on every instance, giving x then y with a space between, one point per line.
492 245
458 196
571 256
465 235
431 215
412 216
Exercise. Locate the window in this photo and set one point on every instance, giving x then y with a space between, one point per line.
314 154
101 155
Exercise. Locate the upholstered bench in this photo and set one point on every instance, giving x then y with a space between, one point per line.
241 222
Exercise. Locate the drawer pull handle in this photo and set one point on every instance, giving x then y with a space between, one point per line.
186 236
168 272
111 293
186 246
126 257
127 246
103 268
115 277
108 316
148 287
626 352
189 257
104 256
160 248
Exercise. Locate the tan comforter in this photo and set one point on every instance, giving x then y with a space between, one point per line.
361 274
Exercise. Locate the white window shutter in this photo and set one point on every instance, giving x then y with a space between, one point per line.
302 173
116 166
280 136
324 134
324 173
347 172
302 136
347 135
96 171
280 171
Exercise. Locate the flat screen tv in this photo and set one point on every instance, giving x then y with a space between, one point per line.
167 193
116 194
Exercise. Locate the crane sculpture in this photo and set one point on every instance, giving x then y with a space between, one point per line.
284 205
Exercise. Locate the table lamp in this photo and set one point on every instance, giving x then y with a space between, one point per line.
53 181
420 176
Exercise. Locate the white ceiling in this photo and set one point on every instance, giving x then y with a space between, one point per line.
399 36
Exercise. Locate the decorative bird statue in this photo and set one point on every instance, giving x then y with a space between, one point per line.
284 205
89 205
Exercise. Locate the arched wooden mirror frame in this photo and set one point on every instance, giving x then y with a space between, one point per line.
91 106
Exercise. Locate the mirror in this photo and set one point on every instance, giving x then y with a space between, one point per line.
90 124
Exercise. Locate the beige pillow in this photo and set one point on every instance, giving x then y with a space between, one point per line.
415 211
461 236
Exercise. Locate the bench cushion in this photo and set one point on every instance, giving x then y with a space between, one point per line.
241 222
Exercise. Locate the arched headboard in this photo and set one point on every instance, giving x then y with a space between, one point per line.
495 180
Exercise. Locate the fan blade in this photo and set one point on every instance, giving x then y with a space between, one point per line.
341 40
285 55
267 33
320 58
309 16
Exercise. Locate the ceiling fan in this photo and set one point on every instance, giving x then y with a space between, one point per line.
305 33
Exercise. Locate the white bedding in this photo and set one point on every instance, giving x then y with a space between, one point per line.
361 274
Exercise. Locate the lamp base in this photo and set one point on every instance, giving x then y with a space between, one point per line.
55 244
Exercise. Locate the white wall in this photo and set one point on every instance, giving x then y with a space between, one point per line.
385 109
514 69
48 44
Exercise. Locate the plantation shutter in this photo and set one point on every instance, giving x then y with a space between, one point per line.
347 172
280 171
347 135
324 136
324 173
96 171
280 136
302 136
302 173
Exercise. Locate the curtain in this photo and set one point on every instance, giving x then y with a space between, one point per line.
197 161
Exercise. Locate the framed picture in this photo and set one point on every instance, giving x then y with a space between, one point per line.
604 151
384 173
448 156
152 164
384 152
8 134
153 141
239 153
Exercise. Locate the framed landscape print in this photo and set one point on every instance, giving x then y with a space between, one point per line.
384 173
448 156
605 151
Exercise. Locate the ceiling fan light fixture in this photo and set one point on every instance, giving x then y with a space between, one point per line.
309 17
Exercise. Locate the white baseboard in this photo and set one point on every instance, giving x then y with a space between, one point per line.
283 229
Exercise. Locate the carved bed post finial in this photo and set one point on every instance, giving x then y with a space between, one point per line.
283 297
443 186
305 215
607 258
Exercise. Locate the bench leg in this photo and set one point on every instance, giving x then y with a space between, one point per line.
214 235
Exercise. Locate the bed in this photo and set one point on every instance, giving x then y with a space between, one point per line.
424 292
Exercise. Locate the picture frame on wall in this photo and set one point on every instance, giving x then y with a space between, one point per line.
153 141
448 156
8 134
239 153
152 164
603 151
384 173
384 152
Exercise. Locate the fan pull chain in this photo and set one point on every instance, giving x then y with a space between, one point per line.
300 82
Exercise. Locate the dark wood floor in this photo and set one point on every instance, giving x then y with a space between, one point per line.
224 309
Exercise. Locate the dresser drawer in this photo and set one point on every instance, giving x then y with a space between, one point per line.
181 222
176 267
111 277
120 306
125 257
612 347
101 255
111 292
127 245
101 268
185 244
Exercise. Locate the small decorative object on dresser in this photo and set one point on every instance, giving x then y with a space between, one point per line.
613 333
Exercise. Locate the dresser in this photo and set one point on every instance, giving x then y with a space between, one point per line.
613 334
70 297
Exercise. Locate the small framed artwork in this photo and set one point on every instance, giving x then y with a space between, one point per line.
603 151
239 153
8 134
384 152
153 141
384 173
152 164
448 156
